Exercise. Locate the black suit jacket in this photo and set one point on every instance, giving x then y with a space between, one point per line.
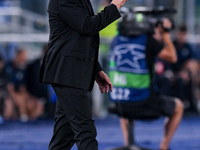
72 55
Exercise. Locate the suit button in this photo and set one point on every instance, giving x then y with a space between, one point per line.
94 45
91 59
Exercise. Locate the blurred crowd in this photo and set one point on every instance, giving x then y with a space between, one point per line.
22 97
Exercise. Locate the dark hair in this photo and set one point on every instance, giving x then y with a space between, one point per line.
19 51
182 28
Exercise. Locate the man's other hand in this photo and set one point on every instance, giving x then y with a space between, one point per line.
104 82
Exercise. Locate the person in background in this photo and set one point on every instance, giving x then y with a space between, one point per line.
176 79
132 58
38 92
20 104
183 48
182 74
193 66
16 87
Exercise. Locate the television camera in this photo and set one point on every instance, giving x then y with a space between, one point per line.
142 20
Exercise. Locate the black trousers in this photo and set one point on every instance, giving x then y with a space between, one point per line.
73 120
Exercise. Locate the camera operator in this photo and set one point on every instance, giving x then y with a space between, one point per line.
177 79
132 59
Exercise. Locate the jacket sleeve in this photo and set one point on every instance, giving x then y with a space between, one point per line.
75 15
99 68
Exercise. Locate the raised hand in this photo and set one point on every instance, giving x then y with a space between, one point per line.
119 3
166 26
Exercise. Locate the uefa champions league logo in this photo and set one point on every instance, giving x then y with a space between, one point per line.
129 58
127 61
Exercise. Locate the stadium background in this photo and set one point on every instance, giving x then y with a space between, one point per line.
24 24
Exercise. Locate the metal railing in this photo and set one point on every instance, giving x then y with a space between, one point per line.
18 25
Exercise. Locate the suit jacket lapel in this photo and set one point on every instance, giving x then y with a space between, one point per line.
88 6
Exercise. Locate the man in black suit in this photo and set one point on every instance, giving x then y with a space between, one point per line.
71 66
